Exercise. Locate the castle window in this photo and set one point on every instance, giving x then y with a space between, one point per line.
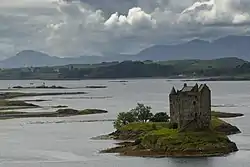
195 116
194 103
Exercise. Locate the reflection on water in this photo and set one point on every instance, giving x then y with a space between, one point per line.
64 142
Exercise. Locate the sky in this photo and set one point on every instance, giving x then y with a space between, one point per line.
70 28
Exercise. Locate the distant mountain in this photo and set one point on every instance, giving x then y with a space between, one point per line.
230 46
28 58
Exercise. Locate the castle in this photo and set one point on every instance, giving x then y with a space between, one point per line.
190 107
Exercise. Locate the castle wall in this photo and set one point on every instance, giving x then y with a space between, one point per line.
205 108
188 111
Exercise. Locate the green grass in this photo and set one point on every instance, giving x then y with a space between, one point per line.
140 129
216 122
92 111
150 126
140 126
70 111
172 140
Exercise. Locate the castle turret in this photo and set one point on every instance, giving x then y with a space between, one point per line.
172 104
173 91
196 88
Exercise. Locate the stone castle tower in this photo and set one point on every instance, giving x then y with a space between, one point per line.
190 107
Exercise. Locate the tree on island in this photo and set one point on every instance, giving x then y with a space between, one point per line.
124 118
160 117
140 113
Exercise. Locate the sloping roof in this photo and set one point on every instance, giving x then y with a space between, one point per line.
187 89
173 91
202 86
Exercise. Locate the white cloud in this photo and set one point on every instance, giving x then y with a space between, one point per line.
73 28
136 18
216 11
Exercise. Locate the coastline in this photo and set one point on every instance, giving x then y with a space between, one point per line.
161 141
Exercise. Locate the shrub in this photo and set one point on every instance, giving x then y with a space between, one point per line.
160 117
173 126
67 111
142 112
124 118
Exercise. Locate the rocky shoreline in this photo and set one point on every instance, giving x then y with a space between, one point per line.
226 115
131 149
160 140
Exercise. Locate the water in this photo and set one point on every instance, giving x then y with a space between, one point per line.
41 142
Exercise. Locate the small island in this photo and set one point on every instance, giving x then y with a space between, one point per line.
9 107
192 130
39 87
59 113
15 104
11 95
96 87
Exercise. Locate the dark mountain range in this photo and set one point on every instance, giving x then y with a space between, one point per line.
230 46
28 58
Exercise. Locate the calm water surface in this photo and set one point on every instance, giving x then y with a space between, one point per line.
65 142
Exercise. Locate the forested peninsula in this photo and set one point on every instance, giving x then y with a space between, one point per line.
218 69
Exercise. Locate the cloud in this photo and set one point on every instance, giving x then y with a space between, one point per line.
216 11
94 27
136 18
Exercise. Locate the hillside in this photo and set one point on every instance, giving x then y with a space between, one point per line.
223 67
231 46
196 64
31 58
